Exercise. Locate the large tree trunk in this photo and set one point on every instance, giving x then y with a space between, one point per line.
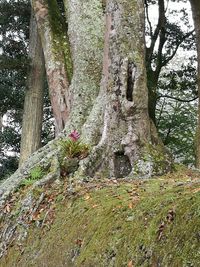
33 105
53 33
195 4
86 30
126 146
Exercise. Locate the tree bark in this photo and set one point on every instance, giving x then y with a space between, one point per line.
126 147
53 33
195 4
86 29
152 85
33 105
1 123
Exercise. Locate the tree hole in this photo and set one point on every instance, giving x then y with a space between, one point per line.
122 165
130 80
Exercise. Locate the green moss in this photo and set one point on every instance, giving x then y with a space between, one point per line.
60 37
113 224
155 160
37 191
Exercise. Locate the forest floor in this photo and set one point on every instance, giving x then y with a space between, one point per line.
108 222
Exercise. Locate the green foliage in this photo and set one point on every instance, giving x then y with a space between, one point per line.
176 114
74 149
35 174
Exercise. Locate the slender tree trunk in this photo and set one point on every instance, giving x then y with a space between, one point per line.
195 4
53 33
1 123
33 105
152 85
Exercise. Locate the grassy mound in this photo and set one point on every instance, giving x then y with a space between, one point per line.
116 223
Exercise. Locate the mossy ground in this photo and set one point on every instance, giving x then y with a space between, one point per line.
118 223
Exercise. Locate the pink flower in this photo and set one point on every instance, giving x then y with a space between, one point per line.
74 136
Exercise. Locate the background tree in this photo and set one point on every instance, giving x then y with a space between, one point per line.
33 105
164 38
53 34
14 31
171 72
176 109
196 16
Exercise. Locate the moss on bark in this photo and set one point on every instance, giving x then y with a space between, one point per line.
85 29
60 37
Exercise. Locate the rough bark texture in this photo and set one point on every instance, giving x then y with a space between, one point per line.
57 57
126 146
127 142
33 105
44 156
196 17
85 29
152 84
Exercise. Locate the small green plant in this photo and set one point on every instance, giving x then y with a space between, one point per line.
73 147
35 174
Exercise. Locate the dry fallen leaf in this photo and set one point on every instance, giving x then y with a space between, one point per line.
170 216
87 196
130 205
7 208
160 230
196 190
130 264
79 242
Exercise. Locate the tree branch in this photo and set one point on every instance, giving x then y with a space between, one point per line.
166 61
155 35
147 16
178 99
160 113
162 35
